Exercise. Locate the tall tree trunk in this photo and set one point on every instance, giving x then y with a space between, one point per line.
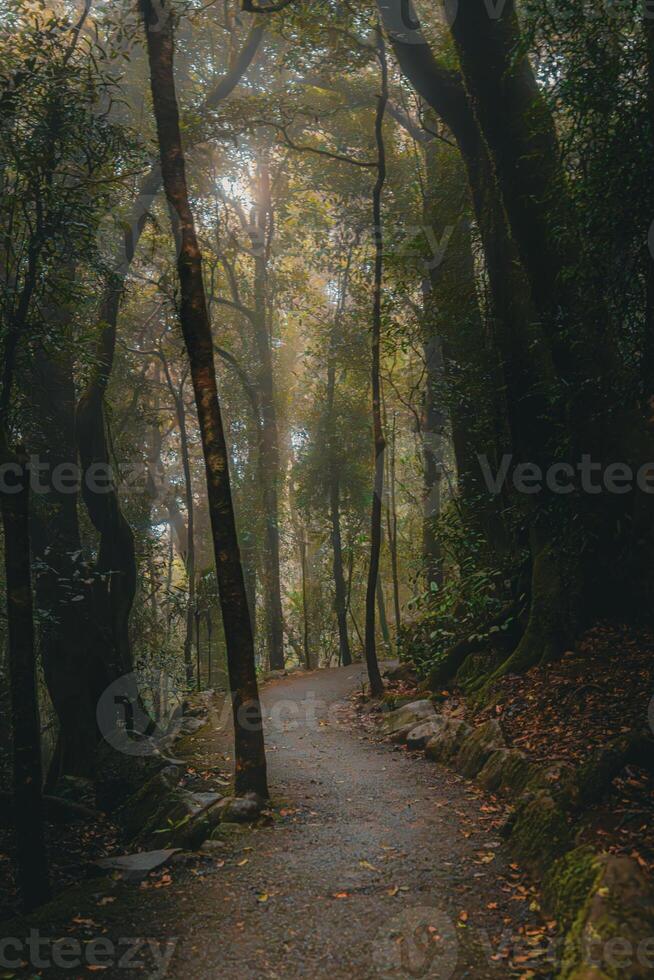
305 599
524 148
250 759
31 859
391 523
115 585
116 566
269 428
345 654
340 597
74 641
525 355
189 546
432 426
381 608
376 685
190 536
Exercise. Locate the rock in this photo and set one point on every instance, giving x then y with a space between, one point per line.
137 866
215 848
609 917
506 771
418 737
415 712
274 675
478 747
183 820
191 725
400 736
137 812
568 883
444 746
239 809
405 673
540 833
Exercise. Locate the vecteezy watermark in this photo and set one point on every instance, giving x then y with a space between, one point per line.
101 953
69 477
419 942
126 724
564 478
64 478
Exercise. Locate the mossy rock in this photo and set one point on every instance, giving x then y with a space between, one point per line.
137 812
506 772
540 833
444 746
183 820
569 882
392 701
478 748
611 934
416 712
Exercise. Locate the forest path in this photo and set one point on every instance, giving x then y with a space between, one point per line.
369 838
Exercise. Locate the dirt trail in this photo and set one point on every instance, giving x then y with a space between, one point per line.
376 856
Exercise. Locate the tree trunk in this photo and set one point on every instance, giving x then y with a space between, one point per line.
180 409
74 640
31 856
115 584
305 600
250 760
269 429
432 425
374 676
383 618
391 521
524 148
524 353
340 599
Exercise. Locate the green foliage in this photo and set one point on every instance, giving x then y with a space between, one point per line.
475 590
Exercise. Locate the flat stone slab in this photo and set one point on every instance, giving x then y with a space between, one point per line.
138 865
